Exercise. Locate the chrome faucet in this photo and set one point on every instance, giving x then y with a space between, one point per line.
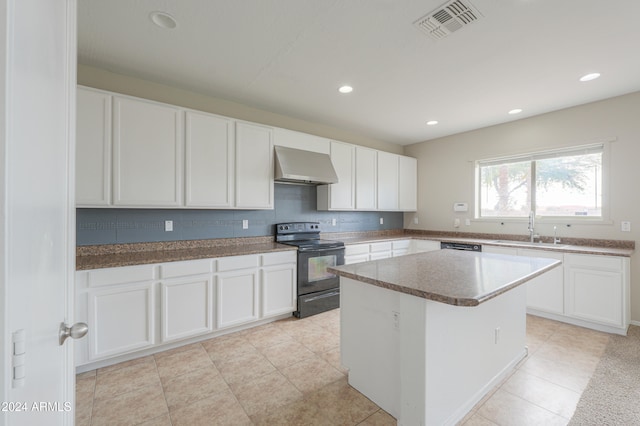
531 228
556 240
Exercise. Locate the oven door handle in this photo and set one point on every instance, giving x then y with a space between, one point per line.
321 250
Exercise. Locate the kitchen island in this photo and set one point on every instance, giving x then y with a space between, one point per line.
426 336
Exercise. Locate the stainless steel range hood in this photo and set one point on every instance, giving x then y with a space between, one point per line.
304 167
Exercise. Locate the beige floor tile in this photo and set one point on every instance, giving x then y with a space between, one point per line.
220 409
333 358
477 420
288 353
557 372
379 418
83 413
193 386
122 380
300 329
181 362
311 374
85 389
504 408
244 367
130 408
557 399
565 352
123 364
86 374
320 342
342 404
297 413
267 336
266 393
163 420
225 347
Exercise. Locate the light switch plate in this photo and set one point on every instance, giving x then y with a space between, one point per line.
625 226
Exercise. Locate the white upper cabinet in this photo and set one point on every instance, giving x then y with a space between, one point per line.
366 173
93 148
209 154
408 184
387 181
254 166
341 195
147 153
298 140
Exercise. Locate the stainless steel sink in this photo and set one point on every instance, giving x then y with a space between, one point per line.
528 243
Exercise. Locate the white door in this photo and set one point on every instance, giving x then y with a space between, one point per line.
37 133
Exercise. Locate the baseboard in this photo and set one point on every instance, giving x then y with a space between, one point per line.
632 322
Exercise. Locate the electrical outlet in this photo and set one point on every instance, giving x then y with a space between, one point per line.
381 221
245 224
415 220
625 226
467 222
497 335
168 225
396 320
456 223
333 222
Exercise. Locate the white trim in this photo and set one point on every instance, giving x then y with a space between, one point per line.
633 322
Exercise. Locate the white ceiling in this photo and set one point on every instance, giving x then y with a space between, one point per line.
290 56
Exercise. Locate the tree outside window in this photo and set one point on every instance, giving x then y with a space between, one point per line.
567 184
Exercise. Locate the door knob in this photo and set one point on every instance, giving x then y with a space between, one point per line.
76 331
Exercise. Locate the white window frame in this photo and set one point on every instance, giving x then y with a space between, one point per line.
603 144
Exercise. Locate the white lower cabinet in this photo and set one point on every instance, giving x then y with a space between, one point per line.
186 307
120 319
136 308
546 292
597 289
422 246
587 290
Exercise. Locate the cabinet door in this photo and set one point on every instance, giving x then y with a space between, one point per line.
209 142
254 166
387 181
278 290
186 307
121 319
342 193
366 172
422 246
546 292
380 255
147 153
408 184
237 301
93 148
299 140
595 287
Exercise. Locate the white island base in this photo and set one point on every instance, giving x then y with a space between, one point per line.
426 362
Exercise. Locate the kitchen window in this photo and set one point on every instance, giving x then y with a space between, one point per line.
565 183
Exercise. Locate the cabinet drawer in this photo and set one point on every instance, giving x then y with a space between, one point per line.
355 249
181 269
402 244
121 275
594 262
384 246
278 258
237 262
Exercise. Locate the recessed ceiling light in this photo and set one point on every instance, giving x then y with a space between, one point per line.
515 111
589 77
432 123
163 20
345 89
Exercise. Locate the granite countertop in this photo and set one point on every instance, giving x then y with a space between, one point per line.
97 257
454 277
571 245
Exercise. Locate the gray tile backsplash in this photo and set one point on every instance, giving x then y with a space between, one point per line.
292 203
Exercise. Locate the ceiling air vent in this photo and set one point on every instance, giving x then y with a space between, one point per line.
448 18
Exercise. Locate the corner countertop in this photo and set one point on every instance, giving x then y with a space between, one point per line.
454 277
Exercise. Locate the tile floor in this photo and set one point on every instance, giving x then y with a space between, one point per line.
288 373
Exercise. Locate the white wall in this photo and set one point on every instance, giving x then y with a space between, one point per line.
446 171
106 80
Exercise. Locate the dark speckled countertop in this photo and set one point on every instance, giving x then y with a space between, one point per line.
114 255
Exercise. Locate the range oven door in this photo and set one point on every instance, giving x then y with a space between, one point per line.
318 290
312 269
